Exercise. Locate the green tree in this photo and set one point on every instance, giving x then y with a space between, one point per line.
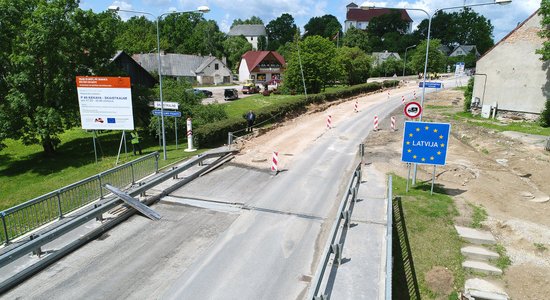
389 67
357 38
178 30
318 59
326 26
280 31
206 39
55 42
545 52
355 65
138 35
235 47
465 27
252 21
545 32
436 59
468 92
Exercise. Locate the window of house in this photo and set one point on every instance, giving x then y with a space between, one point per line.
216 66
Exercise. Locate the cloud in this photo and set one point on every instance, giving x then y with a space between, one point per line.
157 2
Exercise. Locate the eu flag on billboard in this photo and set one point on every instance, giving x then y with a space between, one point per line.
111 120
425 143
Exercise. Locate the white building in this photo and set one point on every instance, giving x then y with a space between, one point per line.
511 76
252 33
202 69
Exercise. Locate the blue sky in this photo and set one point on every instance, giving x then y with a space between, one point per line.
504 18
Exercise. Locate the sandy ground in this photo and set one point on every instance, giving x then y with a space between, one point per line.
505 173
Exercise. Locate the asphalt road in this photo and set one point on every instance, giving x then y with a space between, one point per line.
257 236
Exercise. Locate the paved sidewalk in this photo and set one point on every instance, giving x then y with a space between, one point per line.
362 275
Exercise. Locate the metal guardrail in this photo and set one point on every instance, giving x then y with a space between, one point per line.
28 216
339 229
110 202
389 241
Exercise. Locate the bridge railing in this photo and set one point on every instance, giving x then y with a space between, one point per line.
335 244
389 240
30 215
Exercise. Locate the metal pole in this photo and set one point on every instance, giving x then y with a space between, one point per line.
484 85
302 70
408 176
176 126
160 90
3 215
95 149
424 80
433 180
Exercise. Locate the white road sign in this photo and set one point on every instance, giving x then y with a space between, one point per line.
167 105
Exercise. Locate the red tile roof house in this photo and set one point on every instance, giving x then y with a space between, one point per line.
360 18
261 66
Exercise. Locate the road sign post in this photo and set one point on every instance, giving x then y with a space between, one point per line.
425 143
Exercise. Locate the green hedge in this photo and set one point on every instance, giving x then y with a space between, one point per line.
215 134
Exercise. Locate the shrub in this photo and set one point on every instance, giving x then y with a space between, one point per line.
215 134
468 94
545 115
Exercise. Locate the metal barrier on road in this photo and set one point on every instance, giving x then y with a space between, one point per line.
28 216
339 229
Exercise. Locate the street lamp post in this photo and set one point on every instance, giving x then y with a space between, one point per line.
368 5
203 9
405 62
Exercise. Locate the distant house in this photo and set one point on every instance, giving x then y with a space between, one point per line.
193 68
464 50
252 33
138 75
261 66
445 50
511 76
380 57
359 18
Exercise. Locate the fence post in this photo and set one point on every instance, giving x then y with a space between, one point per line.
100 186
3 215
133 177
157 163
59 208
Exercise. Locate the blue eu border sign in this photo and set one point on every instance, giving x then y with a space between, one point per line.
425 143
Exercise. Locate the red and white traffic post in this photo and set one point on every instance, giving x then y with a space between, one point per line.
392 123
403 100
356 106
275 162
329 121
189 136
375 123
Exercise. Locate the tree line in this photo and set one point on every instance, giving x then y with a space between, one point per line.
45 44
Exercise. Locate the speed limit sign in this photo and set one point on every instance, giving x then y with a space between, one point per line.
413 110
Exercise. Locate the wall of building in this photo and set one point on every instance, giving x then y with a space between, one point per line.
244 74
516 77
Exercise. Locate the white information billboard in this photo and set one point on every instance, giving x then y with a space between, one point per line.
105 103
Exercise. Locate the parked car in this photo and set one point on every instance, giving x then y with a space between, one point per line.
250 89
205 93
230 94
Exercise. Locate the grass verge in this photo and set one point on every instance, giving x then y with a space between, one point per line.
519 126
432 242
25 173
